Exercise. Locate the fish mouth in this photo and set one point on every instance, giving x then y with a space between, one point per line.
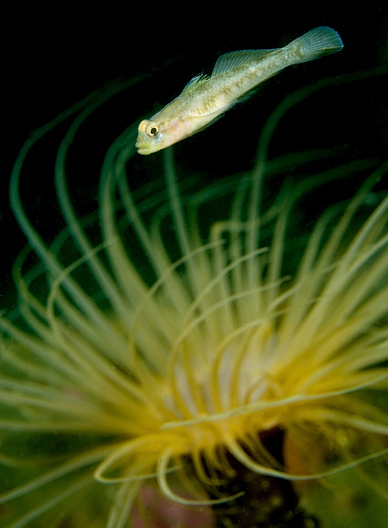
143 151
142 148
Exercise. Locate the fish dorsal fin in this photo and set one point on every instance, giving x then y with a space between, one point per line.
230 61
194 82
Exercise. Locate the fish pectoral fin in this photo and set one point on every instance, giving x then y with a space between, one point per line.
208 123
234 59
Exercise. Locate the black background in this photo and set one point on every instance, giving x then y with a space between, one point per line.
54 56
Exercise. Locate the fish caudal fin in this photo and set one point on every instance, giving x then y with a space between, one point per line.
316 43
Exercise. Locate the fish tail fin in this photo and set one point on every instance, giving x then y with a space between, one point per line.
314 44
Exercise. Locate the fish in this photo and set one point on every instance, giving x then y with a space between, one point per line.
234 77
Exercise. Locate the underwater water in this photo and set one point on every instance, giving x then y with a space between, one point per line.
200 336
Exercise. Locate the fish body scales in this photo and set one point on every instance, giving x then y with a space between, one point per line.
237 83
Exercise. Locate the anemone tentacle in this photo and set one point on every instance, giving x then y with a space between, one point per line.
173 346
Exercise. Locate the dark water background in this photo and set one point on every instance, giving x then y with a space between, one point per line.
53 58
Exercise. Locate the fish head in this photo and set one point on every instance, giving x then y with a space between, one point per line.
154 135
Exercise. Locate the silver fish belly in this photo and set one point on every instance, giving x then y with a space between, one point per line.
236 74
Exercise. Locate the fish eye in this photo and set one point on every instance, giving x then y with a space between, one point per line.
152 130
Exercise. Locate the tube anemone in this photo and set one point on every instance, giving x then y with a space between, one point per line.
193 358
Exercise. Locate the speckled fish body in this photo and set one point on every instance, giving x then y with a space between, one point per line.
205 99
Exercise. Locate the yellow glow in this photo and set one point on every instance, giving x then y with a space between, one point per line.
222 346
